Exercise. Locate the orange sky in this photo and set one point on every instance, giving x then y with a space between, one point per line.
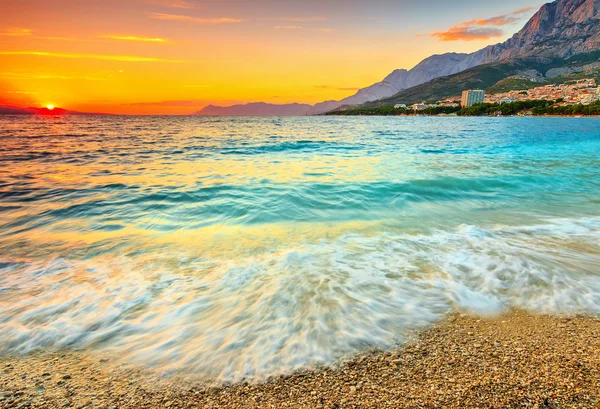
176 56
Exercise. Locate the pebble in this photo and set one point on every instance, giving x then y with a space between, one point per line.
491 368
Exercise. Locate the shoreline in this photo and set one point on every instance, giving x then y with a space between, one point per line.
515 360
472 116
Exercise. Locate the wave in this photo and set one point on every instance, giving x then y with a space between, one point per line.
299 145
271 312
266 202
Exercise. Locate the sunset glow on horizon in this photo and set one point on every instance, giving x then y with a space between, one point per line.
175 57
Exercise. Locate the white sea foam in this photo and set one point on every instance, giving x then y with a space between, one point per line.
274 312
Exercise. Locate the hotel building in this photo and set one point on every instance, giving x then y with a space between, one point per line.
472 97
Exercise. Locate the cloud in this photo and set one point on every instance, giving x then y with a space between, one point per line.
24 32
292 27
135 38
123 58
177 17
502 20
181 103
483 29
329 87
301 19
54 38
492 21
20 75
523 10
176 4
468 33
17 32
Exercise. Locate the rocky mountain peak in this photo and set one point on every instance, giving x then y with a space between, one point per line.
559 29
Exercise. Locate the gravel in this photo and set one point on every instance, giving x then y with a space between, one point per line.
514 361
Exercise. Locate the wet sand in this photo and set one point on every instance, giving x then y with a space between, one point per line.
514 361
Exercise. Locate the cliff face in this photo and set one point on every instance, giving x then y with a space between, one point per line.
560 29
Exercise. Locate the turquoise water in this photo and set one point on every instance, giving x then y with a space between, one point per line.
230 248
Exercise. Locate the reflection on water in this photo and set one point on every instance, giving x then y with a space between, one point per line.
244 247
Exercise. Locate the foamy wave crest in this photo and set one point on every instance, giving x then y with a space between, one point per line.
275 312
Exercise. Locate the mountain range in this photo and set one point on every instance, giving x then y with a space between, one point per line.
559 30
562 38
257 109
513 74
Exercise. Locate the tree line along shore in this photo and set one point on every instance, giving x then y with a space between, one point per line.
529 108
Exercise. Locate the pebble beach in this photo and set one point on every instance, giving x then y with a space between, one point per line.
515 360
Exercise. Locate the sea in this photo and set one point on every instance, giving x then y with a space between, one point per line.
234 249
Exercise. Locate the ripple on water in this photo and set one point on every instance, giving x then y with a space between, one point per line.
244 247
284 309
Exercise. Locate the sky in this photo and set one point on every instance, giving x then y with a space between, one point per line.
177 56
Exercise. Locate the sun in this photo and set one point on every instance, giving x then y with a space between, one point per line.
50 107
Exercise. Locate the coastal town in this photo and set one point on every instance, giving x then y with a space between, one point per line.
584 91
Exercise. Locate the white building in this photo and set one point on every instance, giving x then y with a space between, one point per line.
588 100
472 97
398 106
507 100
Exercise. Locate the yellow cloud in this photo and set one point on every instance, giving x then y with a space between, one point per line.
17 32
135 38
24 32
124 58
177 17
19 75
